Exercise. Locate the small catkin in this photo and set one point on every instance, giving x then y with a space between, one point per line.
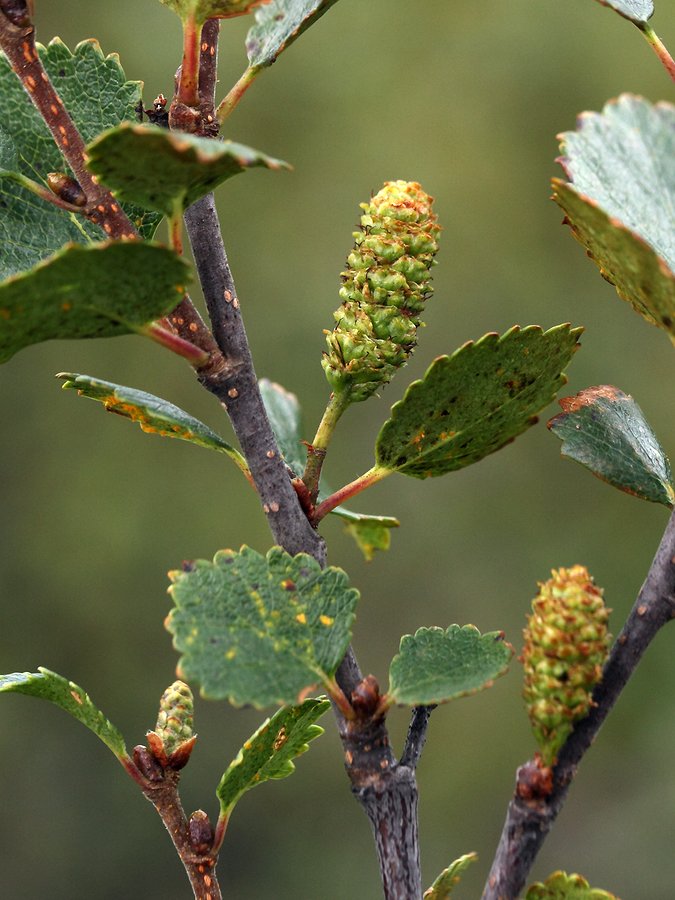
566 645
384 290
175 719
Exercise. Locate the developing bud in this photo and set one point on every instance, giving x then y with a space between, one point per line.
566 645
66 188
172 740
384 290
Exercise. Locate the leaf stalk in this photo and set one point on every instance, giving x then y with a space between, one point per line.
372 476
659 48
229 104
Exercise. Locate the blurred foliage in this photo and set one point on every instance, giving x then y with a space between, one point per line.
467 99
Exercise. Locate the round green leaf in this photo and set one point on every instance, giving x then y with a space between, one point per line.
434 666
70 697
638 11
605 430
474 402
97 95
269 753
154 415
621 165
102 290
260 630
162 170
278 24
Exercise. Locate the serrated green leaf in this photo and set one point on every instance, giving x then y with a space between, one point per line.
435 666
169 169
561 886
97 95
201 10
474 402
278 24
605 430
260 630
638 11
371 533
102 290
154 415
444 885
269 753
71 698
619 204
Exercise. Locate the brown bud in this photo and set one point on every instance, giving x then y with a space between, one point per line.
181 755
366 696
201 832
19 12
66 188
147 765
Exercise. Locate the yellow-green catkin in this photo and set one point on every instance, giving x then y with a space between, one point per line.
384 289
566 645
175 719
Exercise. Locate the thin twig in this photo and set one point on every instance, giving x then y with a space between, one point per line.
417 736
539 794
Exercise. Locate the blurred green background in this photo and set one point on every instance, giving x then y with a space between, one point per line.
466 98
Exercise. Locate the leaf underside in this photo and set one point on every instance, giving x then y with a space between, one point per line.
561 886
202 10
170 169
619 202
371 533
153 414
638 11
260 630
472 403
269 753
71 698
278 24
102 290
97 95
449 878
435 666
605 430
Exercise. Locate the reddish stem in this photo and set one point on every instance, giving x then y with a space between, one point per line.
372 476
659 48
188 91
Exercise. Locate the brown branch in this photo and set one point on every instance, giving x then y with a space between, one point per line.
18 43
540 793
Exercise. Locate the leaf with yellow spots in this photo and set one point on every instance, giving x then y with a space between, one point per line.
71 698
260 630
370 532
170 170
474 402
97 95
269 753
154 415
449 878
278 24
435 666
102 290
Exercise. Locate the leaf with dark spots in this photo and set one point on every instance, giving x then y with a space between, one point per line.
278 24
493 404
605 430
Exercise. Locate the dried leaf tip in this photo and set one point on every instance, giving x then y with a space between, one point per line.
566 645
384 290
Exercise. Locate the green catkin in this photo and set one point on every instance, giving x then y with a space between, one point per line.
175 719
566 645
383 291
